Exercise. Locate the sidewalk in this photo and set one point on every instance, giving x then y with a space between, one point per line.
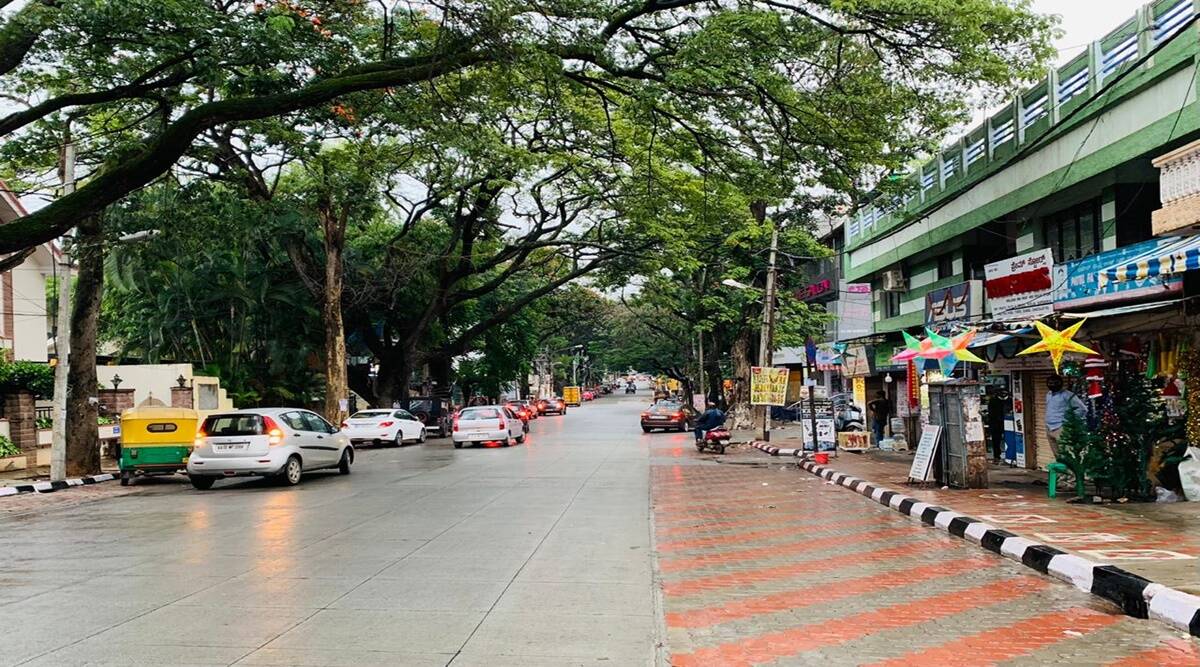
1158 541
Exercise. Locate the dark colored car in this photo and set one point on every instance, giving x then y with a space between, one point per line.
666 415
434 412
552 406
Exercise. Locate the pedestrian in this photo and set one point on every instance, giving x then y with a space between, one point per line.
1058 402
997 406
881 411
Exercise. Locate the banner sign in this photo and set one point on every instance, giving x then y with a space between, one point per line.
914 386
854 316
858 362
860 392
768 386
922 464
1019 288
826 433
955 303
1077 283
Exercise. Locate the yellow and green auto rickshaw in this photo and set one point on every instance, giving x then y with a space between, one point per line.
156 440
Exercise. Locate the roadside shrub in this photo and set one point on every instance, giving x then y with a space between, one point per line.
29 376
8 447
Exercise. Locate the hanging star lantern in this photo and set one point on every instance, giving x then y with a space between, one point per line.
959 348
912 347
1057 343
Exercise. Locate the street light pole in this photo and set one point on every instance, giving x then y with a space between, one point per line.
767 335
62 339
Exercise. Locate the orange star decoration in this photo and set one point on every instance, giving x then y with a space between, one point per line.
1058 343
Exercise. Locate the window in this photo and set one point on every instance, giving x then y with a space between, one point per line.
1075 233
401 414
316 424
294 420
162 428
891 304
945 266
228 425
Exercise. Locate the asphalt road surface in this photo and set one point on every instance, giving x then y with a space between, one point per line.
536 554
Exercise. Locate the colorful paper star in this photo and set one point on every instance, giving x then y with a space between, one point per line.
1057 343
959 346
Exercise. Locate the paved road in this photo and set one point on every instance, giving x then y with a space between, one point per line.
536 555
426 555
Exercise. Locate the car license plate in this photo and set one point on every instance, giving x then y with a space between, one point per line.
658 417
478 436
228 448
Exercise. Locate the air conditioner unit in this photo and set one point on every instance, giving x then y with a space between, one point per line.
893 281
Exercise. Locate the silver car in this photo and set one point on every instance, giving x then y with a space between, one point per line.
272 442
487 424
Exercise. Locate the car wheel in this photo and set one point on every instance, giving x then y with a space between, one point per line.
521 439
399 441
293 470
344 463
645 429
458 445
126 477
421 438
202 483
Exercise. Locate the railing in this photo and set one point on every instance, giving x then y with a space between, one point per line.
1032 113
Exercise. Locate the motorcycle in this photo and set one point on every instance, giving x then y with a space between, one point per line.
715 439
630 389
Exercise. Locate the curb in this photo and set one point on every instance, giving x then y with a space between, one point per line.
1136 596
51 487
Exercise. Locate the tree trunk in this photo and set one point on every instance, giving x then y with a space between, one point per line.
83 404
336 386
739 398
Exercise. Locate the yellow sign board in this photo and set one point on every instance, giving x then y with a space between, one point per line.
860 392
571 396
768 386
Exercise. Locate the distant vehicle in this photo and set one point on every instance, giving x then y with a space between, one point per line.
487 424
555 406
522 412
434 412
379 427
631 388
573 396
665 415
276 442
589 395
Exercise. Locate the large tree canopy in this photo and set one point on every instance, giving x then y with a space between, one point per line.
837 88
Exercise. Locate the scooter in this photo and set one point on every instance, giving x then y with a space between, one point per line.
715 439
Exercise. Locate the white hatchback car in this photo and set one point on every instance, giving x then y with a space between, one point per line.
482 424
273 442
383 426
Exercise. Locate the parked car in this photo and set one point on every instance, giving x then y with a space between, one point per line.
378 427
589 395
434 412
555 406
484 424
665 415
275 442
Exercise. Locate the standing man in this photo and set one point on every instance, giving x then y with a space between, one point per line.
881 411
997 406
1058 401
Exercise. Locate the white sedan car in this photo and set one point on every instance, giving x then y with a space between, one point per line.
485 424
383 427
273 442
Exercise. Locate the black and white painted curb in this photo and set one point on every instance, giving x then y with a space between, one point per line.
1136 596
51 487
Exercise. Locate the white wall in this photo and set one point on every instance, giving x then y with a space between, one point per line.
156 380
30 330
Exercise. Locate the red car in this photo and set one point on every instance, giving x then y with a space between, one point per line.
667 416
522 410
589 395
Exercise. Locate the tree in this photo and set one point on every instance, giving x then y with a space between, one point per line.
824 76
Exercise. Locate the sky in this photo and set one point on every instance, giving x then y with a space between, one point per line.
1085 20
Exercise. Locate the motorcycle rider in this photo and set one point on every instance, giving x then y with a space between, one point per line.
712 418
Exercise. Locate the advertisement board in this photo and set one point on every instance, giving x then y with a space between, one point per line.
854 316
768 386
1077 283
1020 288
956 303
572 396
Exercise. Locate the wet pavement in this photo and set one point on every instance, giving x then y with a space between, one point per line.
594 544
530 555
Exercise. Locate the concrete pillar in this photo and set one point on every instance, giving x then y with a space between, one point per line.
21 411
181 397
115 401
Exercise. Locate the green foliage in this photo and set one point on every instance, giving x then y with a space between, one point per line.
1076 446
1116 456
27 376
8 447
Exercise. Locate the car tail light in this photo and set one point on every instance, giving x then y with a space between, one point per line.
345 424
679 416
385 424
200 436
456 423
275 434
502 424
645 415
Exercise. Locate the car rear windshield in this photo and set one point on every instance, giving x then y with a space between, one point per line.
367 414
480 413
663 408
233 425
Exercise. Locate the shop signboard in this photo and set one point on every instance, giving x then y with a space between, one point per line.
1014 438
768 386
826 433
883 359
815 289
956 303
860 392
922 464
1020 288
853 309
857 361
1077 283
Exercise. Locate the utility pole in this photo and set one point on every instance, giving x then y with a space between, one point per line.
62 336
810 354
767 336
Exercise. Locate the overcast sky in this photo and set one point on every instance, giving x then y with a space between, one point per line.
1085 20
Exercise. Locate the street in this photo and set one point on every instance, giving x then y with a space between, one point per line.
536 555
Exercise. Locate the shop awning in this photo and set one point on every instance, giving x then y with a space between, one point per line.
1122 310
991 338
1176 257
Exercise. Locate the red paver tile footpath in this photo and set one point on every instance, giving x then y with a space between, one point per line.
1160 542
769 565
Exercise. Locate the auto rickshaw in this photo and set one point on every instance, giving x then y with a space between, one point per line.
156 440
